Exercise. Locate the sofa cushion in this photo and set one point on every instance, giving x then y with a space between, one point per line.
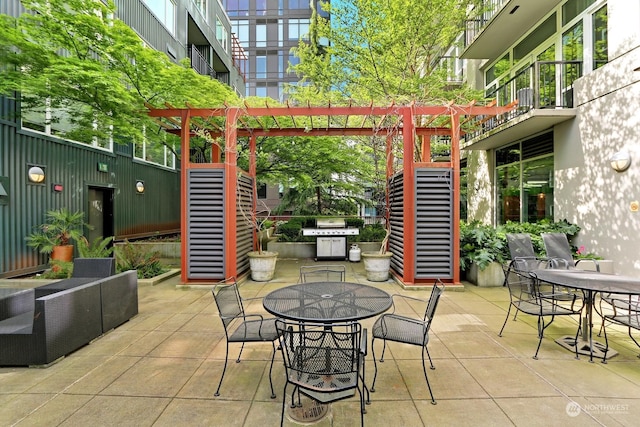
20 324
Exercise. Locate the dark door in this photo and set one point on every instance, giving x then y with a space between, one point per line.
100 213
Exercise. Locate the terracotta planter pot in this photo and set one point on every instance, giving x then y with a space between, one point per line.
62 253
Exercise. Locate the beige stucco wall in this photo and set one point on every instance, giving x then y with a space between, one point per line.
588 191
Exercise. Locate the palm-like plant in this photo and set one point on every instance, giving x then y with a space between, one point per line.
61 228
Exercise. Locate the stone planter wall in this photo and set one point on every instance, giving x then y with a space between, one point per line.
493 275
308 249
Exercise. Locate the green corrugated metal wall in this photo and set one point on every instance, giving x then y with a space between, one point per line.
74 166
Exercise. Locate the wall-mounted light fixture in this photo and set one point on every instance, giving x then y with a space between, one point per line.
36 174
140 187
620 161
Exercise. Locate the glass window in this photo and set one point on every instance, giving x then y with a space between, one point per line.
298 29
237 7
535 39
261 67
261 90
573 8
572 43
165 11
298 4
261 35
524 187
222 35
155 149
261 7
241 29
65 122
600 39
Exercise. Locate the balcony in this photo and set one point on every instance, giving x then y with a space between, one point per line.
504 22
543 93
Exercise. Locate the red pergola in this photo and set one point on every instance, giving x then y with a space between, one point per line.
413 125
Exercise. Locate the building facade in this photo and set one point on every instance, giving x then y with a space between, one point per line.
267 30
572 66
126 190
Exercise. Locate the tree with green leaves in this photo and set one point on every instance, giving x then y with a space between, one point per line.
74 58
383 51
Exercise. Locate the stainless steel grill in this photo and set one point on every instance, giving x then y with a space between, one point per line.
331 240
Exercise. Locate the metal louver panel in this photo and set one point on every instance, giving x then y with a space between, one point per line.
244 229
396 219
205 224
434 223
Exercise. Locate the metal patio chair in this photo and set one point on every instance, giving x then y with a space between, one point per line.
323 362
538 299
322 273
524 260
407 330
240 327
559 251
625 312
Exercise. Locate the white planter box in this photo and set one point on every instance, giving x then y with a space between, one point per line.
493 275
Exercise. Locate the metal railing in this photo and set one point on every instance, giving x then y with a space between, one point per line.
200 63
474 26
542 85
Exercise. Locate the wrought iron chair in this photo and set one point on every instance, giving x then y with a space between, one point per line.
407 330
559 251
625 312
525 260
538 299
322 273
323 363
240 327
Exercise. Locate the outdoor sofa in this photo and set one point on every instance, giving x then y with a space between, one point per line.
40 325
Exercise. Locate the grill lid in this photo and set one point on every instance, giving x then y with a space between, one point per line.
330 223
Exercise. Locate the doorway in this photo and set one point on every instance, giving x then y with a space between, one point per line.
100 213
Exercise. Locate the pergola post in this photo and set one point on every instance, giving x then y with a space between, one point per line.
230 190
408 191
185 123
455 164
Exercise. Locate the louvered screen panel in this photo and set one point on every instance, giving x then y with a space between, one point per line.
205 224
244 229
396 218
434 223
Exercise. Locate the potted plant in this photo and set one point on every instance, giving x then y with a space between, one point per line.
378 263
57 234
261 262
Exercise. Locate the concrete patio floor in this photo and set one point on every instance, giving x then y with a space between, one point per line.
162 368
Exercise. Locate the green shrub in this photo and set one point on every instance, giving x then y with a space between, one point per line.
99 249
59 270
131 257
483 244
372 233
354 222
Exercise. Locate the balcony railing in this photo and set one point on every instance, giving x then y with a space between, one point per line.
542 85
200 63
474 26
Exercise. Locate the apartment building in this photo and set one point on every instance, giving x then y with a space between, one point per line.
267 30
570 149
126 190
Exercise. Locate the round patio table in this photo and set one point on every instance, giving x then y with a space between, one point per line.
591 282
327 302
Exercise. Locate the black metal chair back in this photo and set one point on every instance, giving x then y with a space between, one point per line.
407 330
321 362
241 327
322 273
